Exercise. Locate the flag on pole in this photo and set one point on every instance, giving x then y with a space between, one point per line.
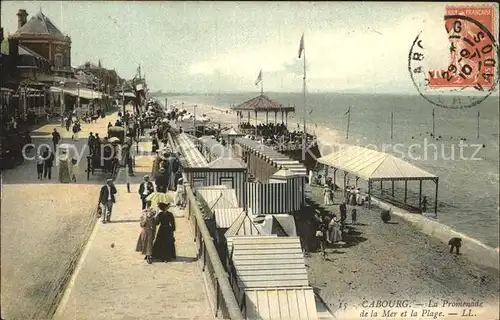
301 47
348 111
259 78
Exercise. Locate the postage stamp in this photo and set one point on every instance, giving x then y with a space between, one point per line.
472 68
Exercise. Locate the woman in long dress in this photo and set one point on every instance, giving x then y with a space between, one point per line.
354 192
155 145
180 194
334 234
147 236
65 167
156 165
164 246
326 196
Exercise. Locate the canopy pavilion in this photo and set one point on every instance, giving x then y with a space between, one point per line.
371 165
263 104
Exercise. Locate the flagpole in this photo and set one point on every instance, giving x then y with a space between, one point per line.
392 124
262 85
348 121
304 98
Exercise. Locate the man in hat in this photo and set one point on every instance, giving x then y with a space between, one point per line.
56 137
107 199
91 143
145 189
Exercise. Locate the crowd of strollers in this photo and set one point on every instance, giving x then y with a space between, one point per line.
156 240
332 227
167 173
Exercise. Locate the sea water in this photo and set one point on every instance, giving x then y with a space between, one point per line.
468 199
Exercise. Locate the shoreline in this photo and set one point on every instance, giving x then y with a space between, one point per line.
392 262
426 225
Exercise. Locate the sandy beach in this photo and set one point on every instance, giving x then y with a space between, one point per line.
394 261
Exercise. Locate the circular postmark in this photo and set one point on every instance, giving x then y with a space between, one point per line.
472 72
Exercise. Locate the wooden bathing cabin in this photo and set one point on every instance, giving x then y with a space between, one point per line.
217 170
269 278
230 134
220 207
280 185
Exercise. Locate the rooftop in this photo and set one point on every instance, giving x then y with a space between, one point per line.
370 164
262 103
39 24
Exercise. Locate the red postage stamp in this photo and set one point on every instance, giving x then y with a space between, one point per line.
472 49
473 58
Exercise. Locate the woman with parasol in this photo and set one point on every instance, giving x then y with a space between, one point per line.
147 236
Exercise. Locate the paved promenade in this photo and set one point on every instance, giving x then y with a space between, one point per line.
44 226
114 282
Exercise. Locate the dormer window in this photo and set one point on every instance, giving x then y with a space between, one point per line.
58 60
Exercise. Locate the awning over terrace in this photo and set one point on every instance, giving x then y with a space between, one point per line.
371 165
83 93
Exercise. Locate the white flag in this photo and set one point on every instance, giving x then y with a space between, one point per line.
259 78
301 47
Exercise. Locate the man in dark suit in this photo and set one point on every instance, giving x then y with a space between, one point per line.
48 161
55 138
107 199
91 143
145 189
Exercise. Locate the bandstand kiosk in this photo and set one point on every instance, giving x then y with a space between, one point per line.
261 104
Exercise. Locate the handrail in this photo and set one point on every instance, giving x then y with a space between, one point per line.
207 248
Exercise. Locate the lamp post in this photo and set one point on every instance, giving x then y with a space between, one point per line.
62 103
78 97
123 99
91 104
25 103
101 94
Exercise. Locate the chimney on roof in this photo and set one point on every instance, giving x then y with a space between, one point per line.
13 47
22 17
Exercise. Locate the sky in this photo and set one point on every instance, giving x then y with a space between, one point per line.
222 46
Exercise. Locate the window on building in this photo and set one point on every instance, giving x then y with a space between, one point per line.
58 60
228 181
198 182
